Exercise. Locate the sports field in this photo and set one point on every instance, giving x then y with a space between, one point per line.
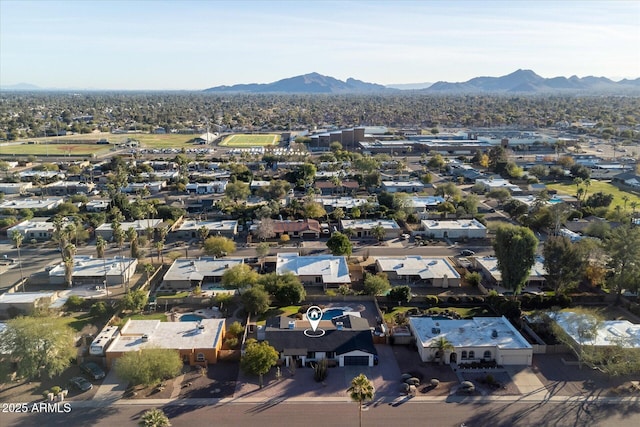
250 140
54 150
599 186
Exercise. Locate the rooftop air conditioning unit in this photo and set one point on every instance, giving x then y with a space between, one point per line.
494 334
144 338
339 326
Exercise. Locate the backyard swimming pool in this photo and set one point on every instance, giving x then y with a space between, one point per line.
190 317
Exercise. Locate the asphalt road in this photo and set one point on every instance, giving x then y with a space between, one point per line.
400 413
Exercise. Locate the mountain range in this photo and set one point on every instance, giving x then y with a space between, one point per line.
520 81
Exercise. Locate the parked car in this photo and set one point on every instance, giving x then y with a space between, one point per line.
94 371
80 383
467 252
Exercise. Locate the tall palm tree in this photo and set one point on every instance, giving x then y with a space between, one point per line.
361 390
69 253
17 239
634 206
148 270
625 199
160 247
101 245
442 344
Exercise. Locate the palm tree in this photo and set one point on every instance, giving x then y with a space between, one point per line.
160 247
17 239
154 418
378 232
101 244
69 253
442 344
634 206
148 270
625 199
361 390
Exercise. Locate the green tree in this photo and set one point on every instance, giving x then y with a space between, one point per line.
154 418
239 276
376 284
219 246
442 345
134 300
255 300
286 288
622 245
339 244
515 249
69 262
314 210
237 191
562 262
361 390
38 345
402 294
378 232
148 366
258 358
203 233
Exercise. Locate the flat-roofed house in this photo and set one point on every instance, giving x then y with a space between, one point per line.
416 270
489 269
363 227
15 187
189 228
608 333
187 273
454 229
325 270
34 229
33 204
474 340
402 186
24 302
94 271
198 343
212 187
139 225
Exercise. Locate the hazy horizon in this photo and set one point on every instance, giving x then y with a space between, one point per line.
193 45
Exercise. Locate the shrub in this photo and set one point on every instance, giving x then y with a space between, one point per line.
473 279
99 309
432 300
235 329
320 370
74 303
56 390
453 300
231 342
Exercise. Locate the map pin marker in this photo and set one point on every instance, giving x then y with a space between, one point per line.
314 315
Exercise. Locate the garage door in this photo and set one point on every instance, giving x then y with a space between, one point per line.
356 360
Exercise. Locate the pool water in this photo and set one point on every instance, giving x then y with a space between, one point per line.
190 317
331 313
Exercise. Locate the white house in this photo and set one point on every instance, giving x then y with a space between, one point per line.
34 229
189 228
212 187
419 271
15 187
489 267
608 333
326 270
402 186
473 340
187 273
95 271
454 229
363 227
140 225
498 183
33 204
153 187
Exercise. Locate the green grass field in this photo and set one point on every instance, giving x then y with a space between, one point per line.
595 187
55 150
245 140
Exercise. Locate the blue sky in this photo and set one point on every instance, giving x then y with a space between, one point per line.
199 44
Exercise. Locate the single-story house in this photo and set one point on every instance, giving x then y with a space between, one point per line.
303 228
97 205
139 225
326 270
33 204
328 188
491 184
347 340
212 187
416 270
489 268
608 333
94 271
189 228
153 187
187 273
15 187
363 227
34 229
345 203
402 186
473 340
454 229
25 302
63 188
198 343
423 204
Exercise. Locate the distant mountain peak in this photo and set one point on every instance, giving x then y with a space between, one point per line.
307 83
